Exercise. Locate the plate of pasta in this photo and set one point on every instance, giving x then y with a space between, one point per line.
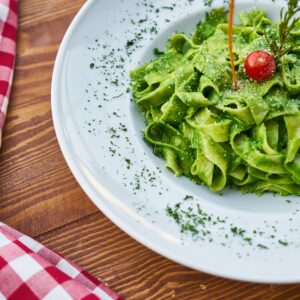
181 122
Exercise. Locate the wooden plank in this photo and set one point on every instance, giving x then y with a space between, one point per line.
138 273
37 190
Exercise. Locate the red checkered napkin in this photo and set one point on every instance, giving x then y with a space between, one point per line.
30 271
8 35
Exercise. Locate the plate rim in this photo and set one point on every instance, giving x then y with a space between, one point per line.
100 203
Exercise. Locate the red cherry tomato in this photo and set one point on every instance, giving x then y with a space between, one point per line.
260 65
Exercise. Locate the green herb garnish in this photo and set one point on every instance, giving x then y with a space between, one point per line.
278 41
261 246
157 52
283 243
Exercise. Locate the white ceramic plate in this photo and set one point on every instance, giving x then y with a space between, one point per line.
100 134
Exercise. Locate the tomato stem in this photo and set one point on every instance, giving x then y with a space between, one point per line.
230 32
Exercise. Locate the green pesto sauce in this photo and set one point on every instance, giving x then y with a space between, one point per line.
205 130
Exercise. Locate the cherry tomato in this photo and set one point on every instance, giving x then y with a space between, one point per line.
260 65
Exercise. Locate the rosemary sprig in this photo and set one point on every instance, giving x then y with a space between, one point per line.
286 25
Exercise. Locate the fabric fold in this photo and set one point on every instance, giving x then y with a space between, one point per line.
29 270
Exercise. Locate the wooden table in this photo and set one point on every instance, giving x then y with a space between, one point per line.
40 197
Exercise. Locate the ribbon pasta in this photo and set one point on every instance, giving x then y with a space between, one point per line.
204 130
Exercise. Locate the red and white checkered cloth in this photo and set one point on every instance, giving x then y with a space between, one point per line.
31 271
8 35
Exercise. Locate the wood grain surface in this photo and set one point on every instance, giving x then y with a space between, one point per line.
39 196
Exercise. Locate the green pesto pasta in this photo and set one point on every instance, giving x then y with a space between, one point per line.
205 130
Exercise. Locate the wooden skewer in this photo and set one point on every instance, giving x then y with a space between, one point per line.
230 32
